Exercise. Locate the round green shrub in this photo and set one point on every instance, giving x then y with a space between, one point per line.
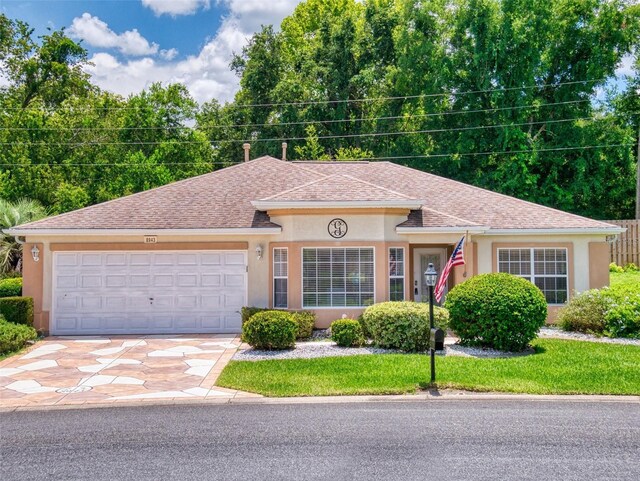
500 311
585 312
402 325
14 336
347 333
631 267
11 287
305 321
270 330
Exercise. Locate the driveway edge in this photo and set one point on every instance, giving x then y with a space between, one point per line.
427 397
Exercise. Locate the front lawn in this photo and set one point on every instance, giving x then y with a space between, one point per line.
558 367
625 278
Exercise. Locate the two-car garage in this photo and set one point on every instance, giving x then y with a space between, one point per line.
148 292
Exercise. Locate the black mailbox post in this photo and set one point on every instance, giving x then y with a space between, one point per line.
430 277
437 339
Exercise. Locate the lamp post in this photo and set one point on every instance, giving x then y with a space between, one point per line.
430 277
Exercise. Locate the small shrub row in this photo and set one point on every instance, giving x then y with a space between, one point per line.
17 309
610 311
347 333
14 336
630 267
11 287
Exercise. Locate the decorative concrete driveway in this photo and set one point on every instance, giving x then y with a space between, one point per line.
79 370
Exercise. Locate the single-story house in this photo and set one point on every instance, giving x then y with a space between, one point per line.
332 237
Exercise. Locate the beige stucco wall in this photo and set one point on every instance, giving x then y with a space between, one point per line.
365 228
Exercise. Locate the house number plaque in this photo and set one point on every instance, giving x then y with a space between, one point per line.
337 228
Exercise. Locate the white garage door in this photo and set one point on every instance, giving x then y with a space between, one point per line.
144 292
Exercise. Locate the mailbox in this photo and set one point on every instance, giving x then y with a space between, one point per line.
436 340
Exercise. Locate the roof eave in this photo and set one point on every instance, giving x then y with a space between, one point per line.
351 204
475 229
151 231
558 231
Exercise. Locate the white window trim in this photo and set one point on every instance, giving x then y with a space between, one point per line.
274 277
335 247
532 268
404 272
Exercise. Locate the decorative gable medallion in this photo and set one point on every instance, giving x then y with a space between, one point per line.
337 228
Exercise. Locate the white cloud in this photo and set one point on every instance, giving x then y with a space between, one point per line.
169 54
207 74
97 33
176 7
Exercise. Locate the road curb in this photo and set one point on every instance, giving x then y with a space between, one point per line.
439 396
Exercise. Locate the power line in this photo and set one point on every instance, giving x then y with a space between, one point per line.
375 99
305 122
368 159
322 137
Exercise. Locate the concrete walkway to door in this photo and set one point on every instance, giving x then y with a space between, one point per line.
83 370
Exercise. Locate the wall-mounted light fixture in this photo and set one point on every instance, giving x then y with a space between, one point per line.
259 252
35 253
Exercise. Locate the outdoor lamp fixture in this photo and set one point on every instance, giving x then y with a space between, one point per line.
259 252
430 277
35 253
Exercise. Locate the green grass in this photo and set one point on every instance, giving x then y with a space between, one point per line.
625 278
558 367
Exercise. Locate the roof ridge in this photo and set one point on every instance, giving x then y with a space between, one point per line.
378 186
472 223
160 187
301 186
404 167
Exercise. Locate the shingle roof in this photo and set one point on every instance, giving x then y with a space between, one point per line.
222 199
338 187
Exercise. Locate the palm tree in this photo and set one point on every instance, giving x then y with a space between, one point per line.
11 215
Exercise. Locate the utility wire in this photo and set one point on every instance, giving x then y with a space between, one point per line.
305 122
322 137
368 159
375 99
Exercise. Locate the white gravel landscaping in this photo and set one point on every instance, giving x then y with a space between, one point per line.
324 347
554 332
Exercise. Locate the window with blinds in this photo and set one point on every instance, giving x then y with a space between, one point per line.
396 274
338 277
280 277
545 267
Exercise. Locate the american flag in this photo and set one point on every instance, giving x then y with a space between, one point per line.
456 259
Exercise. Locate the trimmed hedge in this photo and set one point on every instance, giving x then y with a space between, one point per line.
500 311
305 320
402 325
270 330
246 312
17 309
347 333
11 287
14 336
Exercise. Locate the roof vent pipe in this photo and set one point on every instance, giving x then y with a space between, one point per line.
284 151
247 148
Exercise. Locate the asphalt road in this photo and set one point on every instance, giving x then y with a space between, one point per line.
456 440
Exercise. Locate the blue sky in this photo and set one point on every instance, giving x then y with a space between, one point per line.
135 42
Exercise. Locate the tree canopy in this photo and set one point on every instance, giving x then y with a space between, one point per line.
510 95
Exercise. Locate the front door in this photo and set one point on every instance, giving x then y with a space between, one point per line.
421 259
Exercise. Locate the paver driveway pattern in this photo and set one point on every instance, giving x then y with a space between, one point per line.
78 370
